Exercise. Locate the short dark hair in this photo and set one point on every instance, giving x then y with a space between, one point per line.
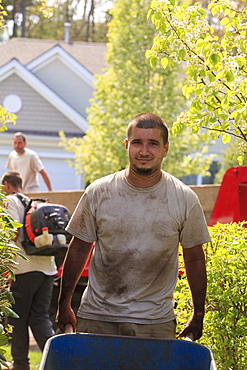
20 134
13 178
148 120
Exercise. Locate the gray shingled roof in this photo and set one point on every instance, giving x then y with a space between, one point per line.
90 54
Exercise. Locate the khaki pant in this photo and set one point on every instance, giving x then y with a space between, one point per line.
165 330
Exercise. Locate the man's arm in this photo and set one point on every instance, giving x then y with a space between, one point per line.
46 179
194 260
75 261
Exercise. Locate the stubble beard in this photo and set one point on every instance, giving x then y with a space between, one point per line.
20 151
145 171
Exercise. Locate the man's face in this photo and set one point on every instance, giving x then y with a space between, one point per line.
146 150
19 144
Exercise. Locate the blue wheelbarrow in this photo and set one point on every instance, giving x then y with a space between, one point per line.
108 352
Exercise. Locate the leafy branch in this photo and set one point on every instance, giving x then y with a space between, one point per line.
216 83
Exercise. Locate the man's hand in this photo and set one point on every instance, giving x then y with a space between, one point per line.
75 261
195 326
65 316
194 260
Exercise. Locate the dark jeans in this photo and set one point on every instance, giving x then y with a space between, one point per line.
32 292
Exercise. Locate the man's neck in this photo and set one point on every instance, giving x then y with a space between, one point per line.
18 190
12 190
21 153
142 181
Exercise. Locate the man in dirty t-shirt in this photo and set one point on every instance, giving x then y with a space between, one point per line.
137 217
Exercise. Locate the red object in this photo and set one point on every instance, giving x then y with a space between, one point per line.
181 271
28 226
231 202
84 272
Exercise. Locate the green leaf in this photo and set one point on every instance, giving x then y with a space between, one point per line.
181 54
224 21
213 135
148 54
215 58
226 138
158 14
234 114
162 27
187 91
153 61
214 11
198 92
195 129
9 312
177 128
195 107
149 13
241 61
202 73
211 76
154 4
229 76
220 75
164 62
3 340
240 159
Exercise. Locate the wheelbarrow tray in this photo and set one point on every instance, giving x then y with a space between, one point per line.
107 352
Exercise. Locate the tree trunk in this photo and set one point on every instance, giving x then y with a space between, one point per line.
23 12
90 14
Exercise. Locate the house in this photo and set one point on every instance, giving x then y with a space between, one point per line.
48 85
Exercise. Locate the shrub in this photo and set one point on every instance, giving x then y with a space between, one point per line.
225 325
8 250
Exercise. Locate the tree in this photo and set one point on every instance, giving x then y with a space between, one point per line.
216 67
81 16
35 19
25 14
2 14
228 161
128 87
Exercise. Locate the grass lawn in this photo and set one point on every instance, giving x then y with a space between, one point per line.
35 357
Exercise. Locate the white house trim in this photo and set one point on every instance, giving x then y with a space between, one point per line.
14 66
58 53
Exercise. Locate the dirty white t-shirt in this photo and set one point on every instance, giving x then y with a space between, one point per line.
134 267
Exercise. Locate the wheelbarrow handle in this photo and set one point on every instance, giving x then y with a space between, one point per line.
189 337
68 328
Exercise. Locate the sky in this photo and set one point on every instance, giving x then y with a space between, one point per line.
104 7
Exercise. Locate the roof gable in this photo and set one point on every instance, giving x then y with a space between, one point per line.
15 67
89 54
57 52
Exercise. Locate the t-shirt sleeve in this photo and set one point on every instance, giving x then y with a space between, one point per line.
36 163
8 164
82 223
13 209
195 229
